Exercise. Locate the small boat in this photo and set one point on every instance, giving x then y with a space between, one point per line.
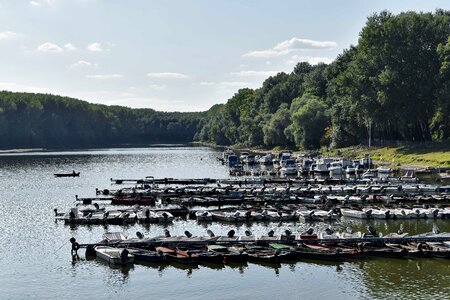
114 256
384 170
172 255
229 254
203 216
350 170
146 255
164 216
323 252
73 174
139 200
335 169
358 214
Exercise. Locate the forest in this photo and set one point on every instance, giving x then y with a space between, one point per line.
42 120
395 81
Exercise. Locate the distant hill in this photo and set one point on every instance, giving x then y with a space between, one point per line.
30 120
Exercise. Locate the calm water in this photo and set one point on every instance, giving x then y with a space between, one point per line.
35 254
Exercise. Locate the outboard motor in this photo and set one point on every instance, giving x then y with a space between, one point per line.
210 233
372 230
231 233
248 233
167 233
271 233
188 234
139 235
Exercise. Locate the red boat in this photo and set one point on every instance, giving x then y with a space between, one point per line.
139 200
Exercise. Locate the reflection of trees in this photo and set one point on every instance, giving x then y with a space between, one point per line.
406 278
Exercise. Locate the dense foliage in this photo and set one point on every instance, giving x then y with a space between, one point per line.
397 79
42 120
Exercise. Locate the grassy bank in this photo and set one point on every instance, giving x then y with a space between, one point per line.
414 155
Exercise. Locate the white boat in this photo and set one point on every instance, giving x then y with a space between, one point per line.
335 169
203 215
276 216
74 216
320 168
350 170
357 214
369 174
380 213
229 216
114 256
288 170
427 213
404 214
266 159
384 170
164 216
316 215
444 213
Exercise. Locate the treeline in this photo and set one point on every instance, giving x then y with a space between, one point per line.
43 120
396 81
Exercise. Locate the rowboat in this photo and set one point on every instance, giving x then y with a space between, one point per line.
229 254
114 256
203 216
146 255
73 174
171 255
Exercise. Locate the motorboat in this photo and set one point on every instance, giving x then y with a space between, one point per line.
114 256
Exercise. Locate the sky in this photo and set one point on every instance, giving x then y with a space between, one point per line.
179 55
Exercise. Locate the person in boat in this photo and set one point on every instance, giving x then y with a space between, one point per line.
73 172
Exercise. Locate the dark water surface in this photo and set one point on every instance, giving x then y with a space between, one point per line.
35 253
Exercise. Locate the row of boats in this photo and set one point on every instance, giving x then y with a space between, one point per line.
166 214
286 164
328 245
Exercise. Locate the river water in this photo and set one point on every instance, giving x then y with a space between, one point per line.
35 253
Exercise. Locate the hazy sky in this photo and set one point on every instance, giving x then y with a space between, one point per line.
172 55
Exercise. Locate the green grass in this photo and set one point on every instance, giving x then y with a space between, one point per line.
423 154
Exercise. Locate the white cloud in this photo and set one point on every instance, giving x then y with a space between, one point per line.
104 76
313 60
7 35
296 43
96 47
168 75
49 47
70 47
38 3
80 63
254 73
157 87
52 47
288 46
226 83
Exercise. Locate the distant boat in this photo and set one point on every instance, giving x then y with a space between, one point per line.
73 174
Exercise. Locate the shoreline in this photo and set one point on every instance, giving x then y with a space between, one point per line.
22 150
394 161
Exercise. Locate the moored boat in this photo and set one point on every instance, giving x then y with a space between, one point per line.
115 256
